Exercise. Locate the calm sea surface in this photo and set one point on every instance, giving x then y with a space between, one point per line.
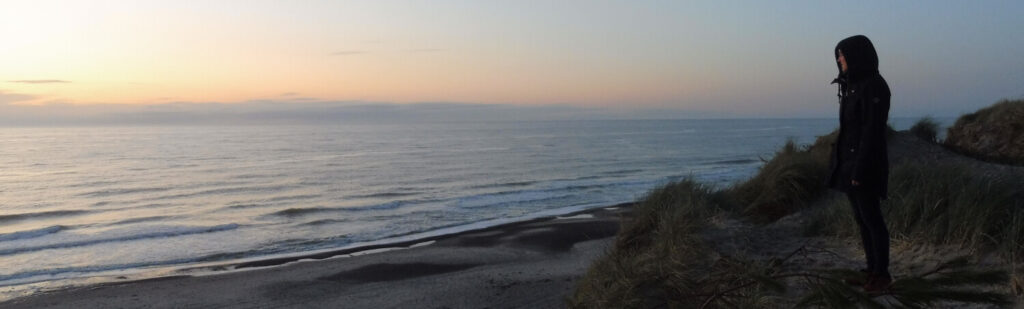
87 201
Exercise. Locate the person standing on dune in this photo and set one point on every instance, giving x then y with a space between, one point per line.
860 163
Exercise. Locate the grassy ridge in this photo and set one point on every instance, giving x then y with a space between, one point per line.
945 206
788 182
658 261
657 256
994 133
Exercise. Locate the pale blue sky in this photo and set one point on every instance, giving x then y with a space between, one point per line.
725 58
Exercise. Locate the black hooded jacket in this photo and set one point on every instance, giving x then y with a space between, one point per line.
860 151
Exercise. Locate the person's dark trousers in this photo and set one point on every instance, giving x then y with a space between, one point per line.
873 232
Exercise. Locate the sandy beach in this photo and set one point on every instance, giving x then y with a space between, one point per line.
530 264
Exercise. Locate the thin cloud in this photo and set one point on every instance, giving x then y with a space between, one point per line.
348 52
289 94
7 97
425 50
39 81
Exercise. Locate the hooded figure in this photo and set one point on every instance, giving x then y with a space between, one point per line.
860 152
860 162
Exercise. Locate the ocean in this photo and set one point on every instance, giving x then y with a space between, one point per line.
98 202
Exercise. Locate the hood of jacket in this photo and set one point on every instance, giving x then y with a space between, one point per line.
861 58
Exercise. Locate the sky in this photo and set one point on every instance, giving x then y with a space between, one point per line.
670 59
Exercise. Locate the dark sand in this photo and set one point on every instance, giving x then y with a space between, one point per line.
532 264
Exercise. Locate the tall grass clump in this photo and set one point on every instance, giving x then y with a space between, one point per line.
951 206
994 133
927 129
657 258
944 205
785 184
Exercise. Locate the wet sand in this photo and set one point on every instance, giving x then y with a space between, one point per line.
531 264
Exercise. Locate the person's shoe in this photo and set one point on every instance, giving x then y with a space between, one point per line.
877 283
859 280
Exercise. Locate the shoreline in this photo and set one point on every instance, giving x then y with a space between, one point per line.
570 240
411 243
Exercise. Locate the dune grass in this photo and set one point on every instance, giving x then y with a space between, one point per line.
657 257
945 206
927 129
994 133
788 182
658 261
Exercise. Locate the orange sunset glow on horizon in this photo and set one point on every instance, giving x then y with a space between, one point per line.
143 53
743 60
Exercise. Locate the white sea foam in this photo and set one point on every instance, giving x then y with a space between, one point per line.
78 240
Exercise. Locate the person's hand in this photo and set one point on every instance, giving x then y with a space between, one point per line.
854 183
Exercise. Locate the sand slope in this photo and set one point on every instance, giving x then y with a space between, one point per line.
524 265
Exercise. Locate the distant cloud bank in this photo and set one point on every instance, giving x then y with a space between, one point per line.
425 50
39 81
273 113
349 52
